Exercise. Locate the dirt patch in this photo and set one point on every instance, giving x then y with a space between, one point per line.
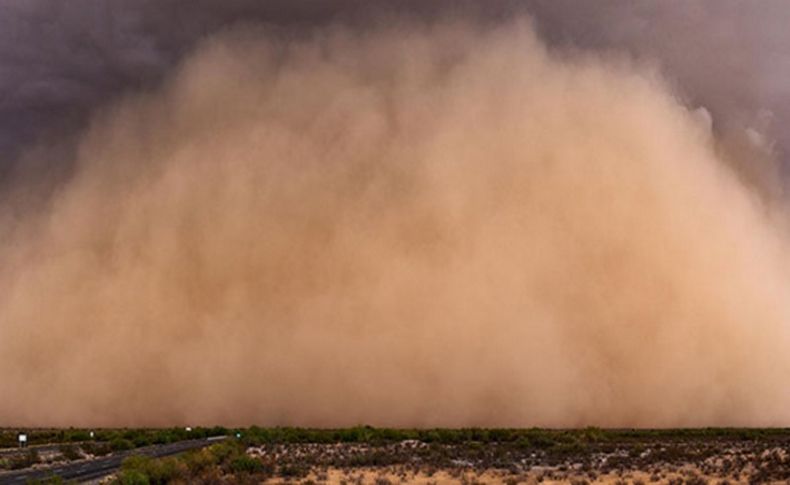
632 461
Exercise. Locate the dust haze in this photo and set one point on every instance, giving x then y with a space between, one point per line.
408 224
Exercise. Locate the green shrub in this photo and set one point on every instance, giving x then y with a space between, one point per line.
136 462
199 460
141 440
132 477
121 444
294 470
166 470
225 451
246 464
77 435
26 460
156 472
96 449
216 431
51 480
162 438
69 452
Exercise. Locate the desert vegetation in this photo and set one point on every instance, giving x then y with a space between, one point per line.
56 446
122 438
380 456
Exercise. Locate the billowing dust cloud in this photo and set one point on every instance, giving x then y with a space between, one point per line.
411 225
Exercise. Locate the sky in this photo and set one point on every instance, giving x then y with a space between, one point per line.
59 61
406 213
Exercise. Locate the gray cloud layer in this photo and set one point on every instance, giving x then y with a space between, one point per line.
61 60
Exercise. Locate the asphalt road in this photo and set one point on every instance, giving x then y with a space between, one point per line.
85 470
48 448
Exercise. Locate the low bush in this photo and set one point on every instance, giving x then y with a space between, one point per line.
132 477
69 452
246 464
198 461
153 472
96 449
121 444
25 460
51 480
294 470
226 451
76 435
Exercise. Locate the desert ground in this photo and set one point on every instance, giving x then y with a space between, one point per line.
366 455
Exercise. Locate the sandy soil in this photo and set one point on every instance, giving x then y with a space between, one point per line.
455 477
681 462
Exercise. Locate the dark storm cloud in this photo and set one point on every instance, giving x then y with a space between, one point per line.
59 61
731 57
